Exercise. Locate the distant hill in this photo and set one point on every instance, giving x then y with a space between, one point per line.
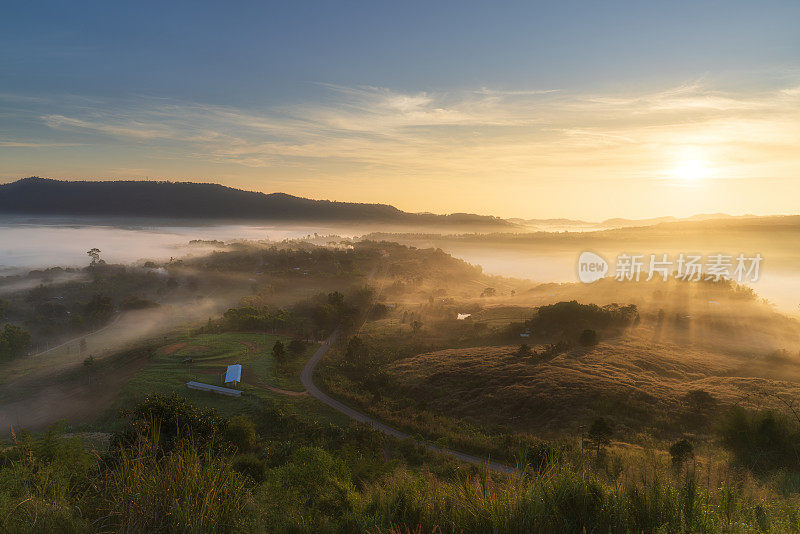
187 200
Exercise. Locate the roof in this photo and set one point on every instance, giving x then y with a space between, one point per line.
215 389
234 373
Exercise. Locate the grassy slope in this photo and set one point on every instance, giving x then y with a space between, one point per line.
640 383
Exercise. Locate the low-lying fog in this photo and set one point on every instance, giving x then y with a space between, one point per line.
27 243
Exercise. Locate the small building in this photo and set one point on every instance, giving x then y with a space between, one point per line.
233 375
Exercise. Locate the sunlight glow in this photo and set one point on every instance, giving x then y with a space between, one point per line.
691 171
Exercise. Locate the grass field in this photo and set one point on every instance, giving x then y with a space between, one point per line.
167 372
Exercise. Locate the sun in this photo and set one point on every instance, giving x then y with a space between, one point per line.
691 170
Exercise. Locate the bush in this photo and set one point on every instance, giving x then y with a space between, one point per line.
762 441
241 433
680 451
250 466
175 418
279 352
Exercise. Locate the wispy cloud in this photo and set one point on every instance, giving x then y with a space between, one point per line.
376 131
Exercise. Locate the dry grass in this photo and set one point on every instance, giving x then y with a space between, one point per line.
640 382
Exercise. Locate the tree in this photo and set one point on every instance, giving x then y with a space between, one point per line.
279 352
94 254
680 451
297 347
488 292
600 432
99 309
14 341
3 309
588 338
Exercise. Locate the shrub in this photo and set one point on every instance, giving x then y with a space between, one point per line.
241 432
250 466
175 418
761 441
680 451
279 352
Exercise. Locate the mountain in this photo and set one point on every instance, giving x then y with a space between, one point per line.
188 200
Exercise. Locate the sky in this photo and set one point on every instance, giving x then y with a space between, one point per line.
580 109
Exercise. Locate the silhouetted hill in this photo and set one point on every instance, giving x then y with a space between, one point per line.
42 196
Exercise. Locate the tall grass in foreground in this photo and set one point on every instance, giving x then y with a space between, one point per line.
187 489
53 485
563 499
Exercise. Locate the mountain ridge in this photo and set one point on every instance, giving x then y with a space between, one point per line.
188 200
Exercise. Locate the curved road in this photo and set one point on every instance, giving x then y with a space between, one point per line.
307 378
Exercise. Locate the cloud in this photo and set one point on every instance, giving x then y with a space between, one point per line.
379 132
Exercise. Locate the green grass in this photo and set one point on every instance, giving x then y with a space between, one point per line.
212 353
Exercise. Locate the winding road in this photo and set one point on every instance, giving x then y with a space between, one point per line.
307 378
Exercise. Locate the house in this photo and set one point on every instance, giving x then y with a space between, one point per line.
233 375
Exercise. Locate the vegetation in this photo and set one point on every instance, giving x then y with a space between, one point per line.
14 341
611 428
222 475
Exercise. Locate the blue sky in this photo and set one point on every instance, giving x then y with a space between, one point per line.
148 90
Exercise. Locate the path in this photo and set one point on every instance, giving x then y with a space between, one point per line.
307 378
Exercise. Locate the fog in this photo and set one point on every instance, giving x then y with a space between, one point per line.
29 243
35 243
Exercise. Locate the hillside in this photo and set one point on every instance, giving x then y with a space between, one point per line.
41 196
639 383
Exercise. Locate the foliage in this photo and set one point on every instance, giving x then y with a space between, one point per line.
14 341
680 451
279 352
99 310
177 419
567 319
601 431
241 432
762 441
